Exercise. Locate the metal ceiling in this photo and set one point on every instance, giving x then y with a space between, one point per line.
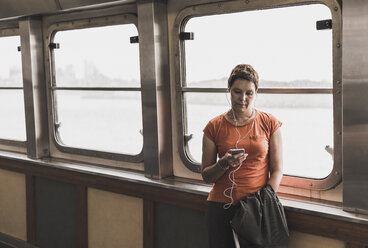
11 8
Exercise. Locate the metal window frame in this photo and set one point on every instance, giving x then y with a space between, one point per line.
335 177
74 21
7 29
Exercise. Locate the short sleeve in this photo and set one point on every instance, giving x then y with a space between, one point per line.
274 124
209 131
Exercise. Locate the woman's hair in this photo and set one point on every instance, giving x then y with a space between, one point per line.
243 71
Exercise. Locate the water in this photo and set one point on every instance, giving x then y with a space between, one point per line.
111 121
305 133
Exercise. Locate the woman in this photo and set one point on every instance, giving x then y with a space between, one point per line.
237 176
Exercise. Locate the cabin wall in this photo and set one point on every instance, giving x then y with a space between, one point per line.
49 205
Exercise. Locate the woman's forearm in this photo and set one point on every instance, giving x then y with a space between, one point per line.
213 172
275 179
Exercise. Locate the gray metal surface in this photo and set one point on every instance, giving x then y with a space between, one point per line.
34 87
355 109
155 83
11 8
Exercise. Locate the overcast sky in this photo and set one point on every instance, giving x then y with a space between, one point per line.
282 44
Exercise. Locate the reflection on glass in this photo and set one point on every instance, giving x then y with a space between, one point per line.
282 44
103 121
97 57
11 101
12 124
307 127
11 62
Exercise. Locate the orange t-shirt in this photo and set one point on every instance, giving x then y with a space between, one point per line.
254 172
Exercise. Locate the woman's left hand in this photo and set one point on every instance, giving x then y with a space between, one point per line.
235 160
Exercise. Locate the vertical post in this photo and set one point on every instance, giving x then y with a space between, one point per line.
148 223
355 106
30 200
155 83
34 86
82 216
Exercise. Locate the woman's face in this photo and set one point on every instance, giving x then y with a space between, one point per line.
243 93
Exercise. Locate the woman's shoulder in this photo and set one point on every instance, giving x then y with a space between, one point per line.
265 116
268 122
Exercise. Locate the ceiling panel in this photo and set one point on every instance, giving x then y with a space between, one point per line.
11 8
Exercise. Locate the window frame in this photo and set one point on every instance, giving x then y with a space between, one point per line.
7 29
335 177
73 22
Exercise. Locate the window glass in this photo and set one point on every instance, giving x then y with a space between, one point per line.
287 51
307 127
282 44
97 57
105 121
108 120
11 100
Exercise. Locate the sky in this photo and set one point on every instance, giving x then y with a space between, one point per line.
282 44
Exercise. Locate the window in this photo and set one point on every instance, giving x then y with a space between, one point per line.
12 128
95 89
297 67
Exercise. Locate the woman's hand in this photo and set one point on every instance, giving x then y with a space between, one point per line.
229 160
212 169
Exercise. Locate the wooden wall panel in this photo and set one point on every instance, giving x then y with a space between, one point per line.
56 208
305 240
114 220
13 204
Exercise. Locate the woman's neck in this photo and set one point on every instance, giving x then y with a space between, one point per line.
241 116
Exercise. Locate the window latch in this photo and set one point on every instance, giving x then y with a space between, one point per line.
329 149
187 137
324 24
186 36
54 45
19 48
134 39
57 126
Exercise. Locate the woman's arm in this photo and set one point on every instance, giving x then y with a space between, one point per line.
275 160
212 170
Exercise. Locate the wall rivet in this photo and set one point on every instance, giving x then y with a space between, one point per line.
336 9
311 184
338 45
338 82
338 132
246 1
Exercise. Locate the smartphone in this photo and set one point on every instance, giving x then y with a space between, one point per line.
236 151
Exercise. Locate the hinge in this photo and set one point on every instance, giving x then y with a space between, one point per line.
186 36
324 24
54 45
134 39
